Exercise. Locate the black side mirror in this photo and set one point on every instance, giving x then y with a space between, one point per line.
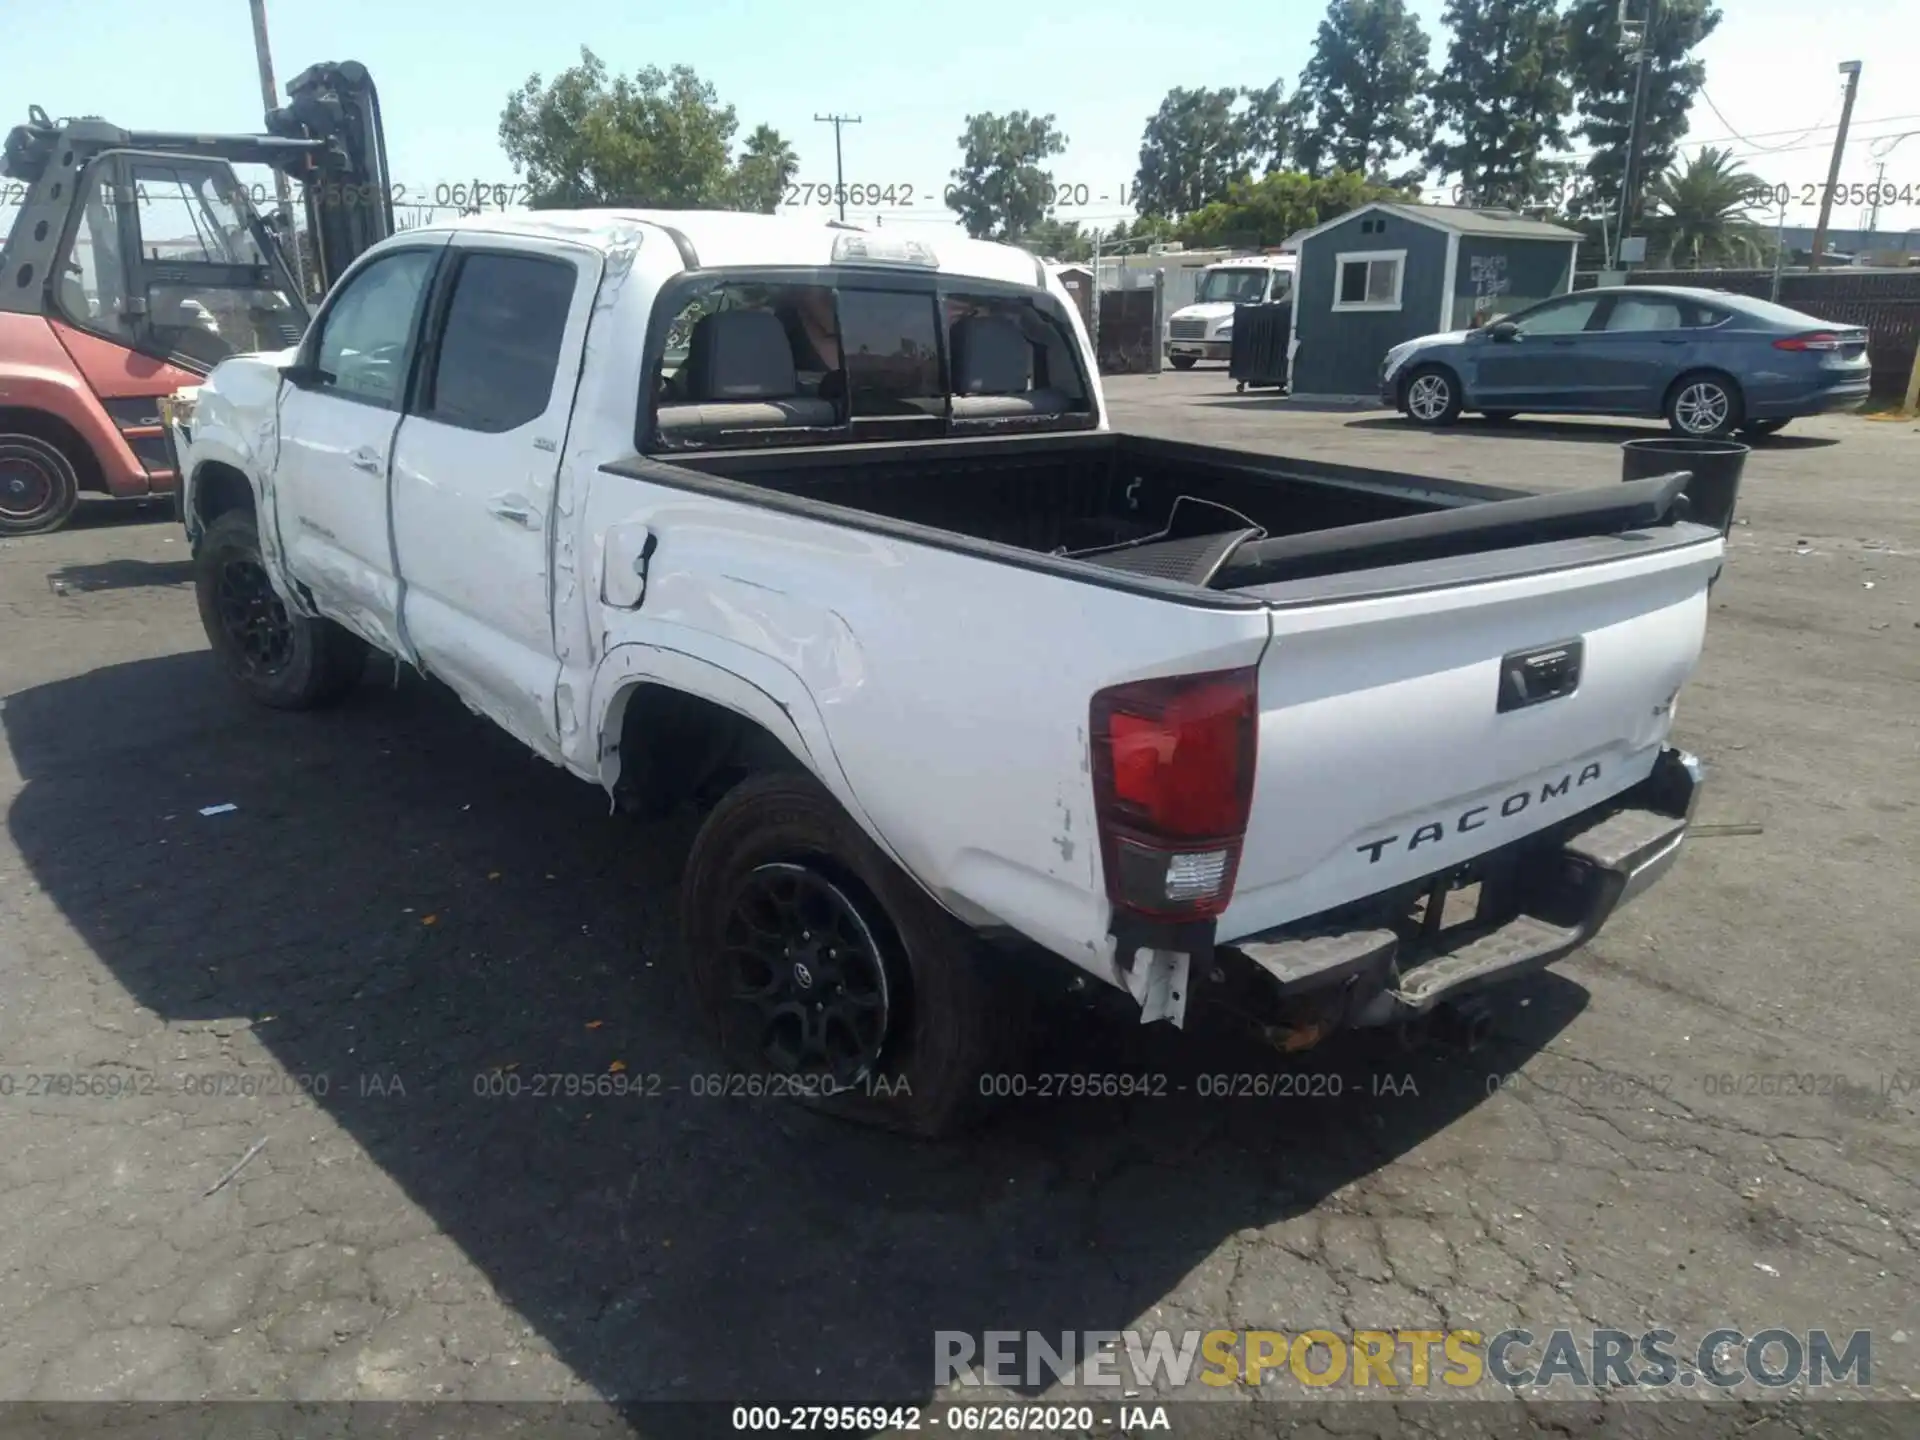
1503 330
306 377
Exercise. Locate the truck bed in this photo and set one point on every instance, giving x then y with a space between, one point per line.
1171 511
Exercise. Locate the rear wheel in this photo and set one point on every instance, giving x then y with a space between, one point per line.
1182 362
1704 405
820 965
39 487
1432 396
288 661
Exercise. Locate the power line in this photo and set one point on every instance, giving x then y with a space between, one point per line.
1747 140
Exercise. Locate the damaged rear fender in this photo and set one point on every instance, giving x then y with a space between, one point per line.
750 685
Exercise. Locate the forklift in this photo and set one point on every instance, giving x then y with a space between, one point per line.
137 261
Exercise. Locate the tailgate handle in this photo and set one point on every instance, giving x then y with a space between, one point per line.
1533 677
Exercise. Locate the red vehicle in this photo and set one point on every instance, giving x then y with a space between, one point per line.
136 262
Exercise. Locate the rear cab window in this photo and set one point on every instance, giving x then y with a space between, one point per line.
831 357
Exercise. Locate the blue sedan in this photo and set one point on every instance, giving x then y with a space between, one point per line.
1709 362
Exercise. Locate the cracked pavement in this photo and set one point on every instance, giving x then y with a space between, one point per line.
404 904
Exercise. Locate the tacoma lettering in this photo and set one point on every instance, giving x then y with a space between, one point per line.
1469 819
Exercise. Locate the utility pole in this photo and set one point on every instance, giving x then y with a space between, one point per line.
839 176
1637 37
1850 69
270 98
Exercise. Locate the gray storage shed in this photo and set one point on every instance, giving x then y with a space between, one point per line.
1388 272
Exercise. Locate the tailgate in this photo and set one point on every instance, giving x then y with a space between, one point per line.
1387 750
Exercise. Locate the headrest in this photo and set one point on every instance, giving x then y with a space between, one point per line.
740 355
991 356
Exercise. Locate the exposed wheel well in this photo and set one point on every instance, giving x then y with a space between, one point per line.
51 428
678 749
218 488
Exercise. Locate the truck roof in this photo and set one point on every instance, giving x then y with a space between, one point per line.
727 238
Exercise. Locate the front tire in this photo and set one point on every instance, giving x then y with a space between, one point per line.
1704 406
1182 362
1432 396
281 659
39 487
817 963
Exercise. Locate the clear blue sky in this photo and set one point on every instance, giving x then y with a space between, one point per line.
912 72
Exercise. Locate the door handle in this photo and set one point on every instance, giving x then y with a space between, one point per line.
1673 342
369 460
512 507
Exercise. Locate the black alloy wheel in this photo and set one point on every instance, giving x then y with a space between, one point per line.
254 618
807 973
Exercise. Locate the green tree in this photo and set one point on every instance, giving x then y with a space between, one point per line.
1201 141
1056 239
657 138
1503 97
1002 188
1701 213
1603 78
1265 212
1366 86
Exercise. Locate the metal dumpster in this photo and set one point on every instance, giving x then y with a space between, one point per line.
1261 334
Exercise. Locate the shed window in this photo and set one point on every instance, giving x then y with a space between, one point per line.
1370 280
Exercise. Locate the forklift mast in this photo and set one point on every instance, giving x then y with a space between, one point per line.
328 139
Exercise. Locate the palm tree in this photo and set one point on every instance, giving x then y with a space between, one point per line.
1701 213
765 169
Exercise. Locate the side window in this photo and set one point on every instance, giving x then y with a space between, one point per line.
1566 318
1703 317
92 286
363 337
500 346
891 344
1282 286
1644 312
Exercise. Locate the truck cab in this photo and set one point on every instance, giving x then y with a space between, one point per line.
1204 329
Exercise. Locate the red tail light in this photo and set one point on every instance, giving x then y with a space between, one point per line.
1818 340
1173 768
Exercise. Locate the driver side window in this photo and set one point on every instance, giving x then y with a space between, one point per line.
363 339
1566 318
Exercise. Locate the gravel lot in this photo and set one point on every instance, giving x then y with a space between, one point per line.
404 901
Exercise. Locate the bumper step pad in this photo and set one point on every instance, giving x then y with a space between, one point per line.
1618 856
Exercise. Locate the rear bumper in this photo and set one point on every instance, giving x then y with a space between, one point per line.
1849 394
1539 900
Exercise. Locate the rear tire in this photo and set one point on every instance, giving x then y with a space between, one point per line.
281 659
1705 405
881 1009
1182 362
1431 396
39 486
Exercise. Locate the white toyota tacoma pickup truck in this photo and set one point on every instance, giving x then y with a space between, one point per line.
826 532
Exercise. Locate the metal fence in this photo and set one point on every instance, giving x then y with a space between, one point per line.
1886 303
